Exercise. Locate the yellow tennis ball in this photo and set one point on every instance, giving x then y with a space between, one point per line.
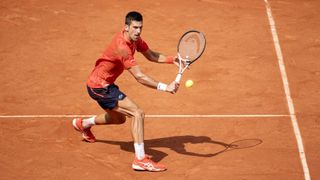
189 83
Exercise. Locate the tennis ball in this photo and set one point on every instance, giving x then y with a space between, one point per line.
189 83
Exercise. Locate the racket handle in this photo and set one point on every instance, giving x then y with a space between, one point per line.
178 78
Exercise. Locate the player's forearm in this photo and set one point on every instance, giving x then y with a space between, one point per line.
147 81
165 59
162 58
158 57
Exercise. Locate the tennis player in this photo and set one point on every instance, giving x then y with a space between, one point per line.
119 56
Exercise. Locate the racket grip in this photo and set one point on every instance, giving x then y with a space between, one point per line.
178 78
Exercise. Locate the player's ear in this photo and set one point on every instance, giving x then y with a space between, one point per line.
126 27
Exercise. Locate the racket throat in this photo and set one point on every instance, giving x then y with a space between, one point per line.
178 78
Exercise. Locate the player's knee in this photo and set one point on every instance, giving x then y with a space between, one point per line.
139 114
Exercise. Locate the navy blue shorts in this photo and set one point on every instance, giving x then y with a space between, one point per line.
107 97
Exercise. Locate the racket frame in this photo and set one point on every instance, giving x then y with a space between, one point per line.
187 62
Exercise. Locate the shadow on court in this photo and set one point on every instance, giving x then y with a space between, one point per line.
178 144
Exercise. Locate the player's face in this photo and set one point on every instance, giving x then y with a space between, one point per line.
134 30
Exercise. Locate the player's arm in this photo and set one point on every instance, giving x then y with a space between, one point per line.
158 57
149 82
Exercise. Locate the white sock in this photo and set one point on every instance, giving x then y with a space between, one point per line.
86 123
139 150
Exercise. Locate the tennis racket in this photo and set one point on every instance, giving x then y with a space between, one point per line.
190 47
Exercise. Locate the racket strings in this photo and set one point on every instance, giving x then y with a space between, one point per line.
191 46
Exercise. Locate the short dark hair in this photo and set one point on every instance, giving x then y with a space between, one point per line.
133 16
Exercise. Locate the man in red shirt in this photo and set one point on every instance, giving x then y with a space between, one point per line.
119 56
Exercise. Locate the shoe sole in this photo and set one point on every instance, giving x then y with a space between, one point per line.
138 168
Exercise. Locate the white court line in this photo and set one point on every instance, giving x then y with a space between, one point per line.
159 116
219 116
285 82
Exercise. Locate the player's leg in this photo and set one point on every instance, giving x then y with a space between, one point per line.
142 161
84 125
110 117
129 108
107 98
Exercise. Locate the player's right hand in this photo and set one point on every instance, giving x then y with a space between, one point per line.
173 87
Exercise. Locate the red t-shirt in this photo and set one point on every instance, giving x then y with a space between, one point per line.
117 57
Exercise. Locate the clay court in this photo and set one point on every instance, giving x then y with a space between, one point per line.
241 91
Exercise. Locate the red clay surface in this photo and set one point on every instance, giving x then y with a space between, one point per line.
48 48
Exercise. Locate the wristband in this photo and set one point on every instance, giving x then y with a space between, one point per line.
169 60
162 86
